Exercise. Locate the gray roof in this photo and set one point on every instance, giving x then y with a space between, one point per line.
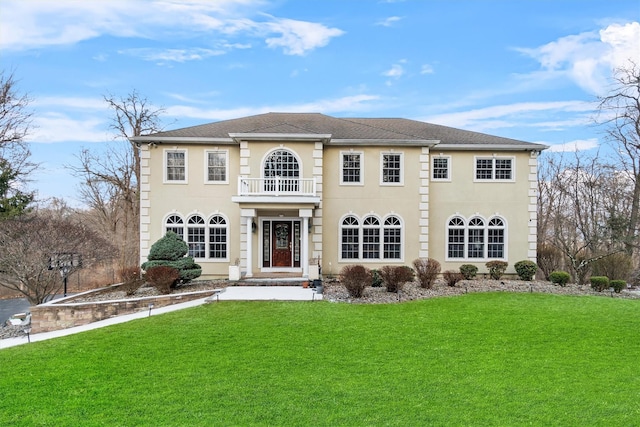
344 130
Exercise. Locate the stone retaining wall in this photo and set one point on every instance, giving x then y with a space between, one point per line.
66 314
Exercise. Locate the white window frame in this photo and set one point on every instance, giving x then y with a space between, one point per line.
381 226
341 168
384 242
392 153
165 166
208 237
486 227
493 168
433 169
225 153
174 225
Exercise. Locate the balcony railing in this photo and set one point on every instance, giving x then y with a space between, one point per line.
276 186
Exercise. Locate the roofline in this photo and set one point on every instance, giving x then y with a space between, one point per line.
317 137
180 139
493 147
386 142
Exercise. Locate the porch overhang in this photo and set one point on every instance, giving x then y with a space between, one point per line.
277 202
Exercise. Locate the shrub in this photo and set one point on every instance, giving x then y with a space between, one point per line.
496 269
452 277
170 251
599 283
468 271
618 285
549 259
355 278
617 266
164 278
376 280
526 269
395 277
427 270
131 278
559 278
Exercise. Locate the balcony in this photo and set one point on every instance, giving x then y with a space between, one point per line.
277 190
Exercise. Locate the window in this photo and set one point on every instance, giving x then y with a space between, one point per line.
176 166
494 169
218 237
456 238
495 238
196 237
440 168
391 168
371 238
392 238
477 239
217 171
176 224
475 246
350 242
281 171
351 168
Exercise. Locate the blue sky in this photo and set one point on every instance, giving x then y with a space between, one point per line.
523 69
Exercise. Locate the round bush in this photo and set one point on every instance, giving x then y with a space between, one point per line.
618 285
599 283
559 277
496 269
526 269
468 271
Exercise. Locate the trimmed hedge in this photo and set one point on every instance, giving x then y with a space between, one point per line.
468 271
599 283
526 269
559 278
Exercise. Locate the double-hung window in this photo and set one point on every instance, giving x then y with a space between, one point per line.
351 168
217 167
218 237
196 237
350 238
441 168
371 239
176 224
391 169
175 166
476 239
494 169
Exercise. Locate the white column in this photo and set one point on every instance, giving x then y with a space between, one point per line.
249 247
305 247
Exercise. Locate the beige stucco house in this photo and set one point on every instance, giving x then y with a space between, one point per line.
288 192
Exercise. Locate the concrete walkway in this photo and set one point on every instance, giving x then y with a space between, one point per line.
233 293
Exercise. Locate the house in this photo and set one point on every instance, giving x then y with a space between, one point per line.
288 192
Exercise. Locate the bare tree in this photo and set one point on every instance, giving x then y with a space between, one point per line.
111 182
581 202
619 113
15 164
31 242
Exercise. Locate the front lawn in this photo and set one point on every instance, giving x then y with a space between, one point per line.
495 359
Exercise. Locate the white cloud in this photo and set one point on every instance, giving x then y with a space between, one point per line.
573 146
588 58
58 127
343 104
35 24
172 55
426 69
396 71
510 115
390 21
299 37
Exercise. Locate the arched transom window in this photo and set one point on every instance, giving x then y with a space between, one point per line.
371 239
476 239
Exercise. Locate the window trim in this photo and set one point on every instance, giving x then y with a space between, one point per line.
493 168
165 165
392 184
208 237
361 167
381 227
449 168
206 167
207 234
485 245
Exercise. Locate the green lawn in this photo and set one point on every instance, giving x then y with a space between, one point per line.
494 359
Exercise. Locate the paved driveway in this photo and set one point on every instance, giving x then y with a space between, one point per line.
9 307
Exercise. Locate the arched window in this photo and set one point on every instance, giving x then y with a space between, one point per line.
196 237
350 238
371 238
456 237
176 224
475 247
392 238
281 171
495 248
218 235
